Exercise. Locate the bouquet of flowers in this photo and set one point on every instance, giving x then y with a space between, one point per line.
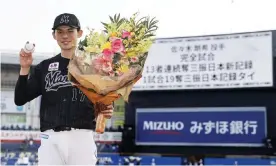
107 64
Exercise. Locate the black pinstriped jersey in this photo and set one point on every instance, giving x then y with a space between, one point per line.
62 105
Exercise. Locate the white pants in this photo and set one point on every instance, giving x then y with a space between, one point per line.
75 147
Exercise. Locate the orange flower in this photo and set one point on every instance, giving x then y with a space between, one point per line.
113 34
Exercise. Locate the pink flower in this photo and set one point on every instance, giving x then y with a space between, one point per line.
102 64
117 45
107 54
98 63
107 67
126 34
134 59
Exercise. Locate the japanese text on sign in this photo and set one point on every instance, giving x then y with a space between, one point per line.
223 127
225 61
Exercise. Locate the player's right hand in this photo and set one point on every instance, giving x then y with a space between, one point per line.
26 59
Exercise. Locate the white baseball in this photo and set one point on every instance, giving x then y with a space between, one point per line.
29 47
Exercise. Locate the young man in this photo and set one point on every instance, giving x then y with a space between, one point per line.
67 117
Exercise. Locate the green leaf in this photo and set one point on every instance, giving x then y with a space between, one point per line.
138 30
141 20
117 18
149 35
82 44
152 20
153 23
111 19
150 31
105 24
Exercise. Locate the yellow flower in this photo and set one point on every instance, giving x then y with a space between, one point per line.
92 49
132 33
131 54
123 68
107 45
113 34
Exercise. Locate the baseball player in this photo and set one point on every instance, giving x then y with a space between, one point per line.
67 117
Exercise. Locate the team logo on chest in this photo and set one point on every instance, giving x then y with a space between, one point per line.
53 66
55 80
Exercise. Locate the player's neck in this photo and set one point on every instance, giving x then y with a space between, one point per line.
67 53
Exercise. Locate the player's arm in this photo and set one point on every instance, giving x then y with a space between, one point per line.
28 86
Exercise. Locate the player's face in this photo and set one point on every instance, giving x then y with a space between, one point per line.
66 37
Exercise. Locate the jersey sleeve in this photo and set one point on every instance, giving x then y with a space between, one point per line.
28 87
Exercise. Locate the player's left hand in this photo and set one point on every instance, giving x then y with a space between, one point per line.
108 112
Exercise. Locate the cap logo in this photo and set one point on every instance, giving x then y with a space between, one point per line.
64 19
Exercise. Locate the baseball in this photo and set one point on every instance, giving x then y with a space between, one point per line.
29 47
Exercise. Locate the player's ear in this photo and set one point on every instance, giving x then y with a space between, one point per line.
80 32
53 34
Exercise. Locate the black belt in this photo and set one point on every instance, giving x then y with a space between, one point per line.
62 128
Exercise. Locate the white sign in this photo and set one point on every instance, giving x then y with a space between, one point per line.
8 135
19 135
108 137
8 105
8 119
209 62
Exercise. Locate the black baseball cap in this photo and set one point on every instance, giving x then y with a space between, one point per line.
67 19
